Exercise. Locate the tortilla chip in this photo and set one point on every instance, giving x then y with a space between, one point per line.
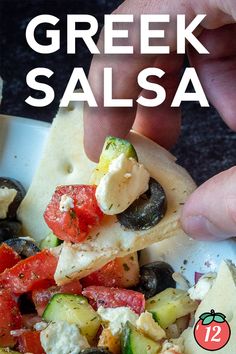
64 162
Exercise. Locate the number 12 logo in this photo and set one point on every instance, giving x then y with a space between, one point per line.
212 331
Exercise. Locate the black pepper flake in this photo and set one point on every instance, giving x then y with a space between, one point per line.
21 276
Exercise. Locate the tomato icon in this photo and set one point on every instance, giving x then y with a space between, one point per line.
212 331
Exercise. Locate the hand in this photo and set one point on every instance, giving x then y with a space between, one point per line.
214 203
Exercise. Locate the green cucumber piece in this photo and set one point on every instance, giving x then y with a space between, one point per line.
50 241
134 342
7 351
169 305
113 147
73 309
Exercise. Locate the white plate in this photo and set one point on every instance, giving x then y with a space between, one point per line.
21 144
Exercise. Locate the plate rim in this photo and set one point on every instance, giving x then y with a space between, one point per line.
25 120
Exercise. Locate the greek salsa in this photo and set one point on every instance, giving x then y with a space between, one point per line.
121 308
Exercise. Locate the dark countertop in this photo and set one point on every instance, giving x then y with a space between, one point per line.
206 146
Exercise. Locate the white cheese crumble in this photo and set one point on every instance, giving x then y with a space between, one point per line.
173 346
66 203
117 317
7 195
124 182
149 327
204 284
62 338
39 326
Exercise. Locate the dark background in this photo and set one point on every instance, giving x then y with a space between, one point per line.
206 146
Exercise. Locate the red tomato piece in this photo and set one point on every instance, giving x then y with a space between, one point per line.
29 273
41 297
109 275
8 257
73 225
115 297
10 318
29 342
119 273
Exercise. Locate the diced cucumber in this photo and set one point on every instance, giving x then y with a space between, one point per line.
112 148
169 305
134 342
7 351
73 309
50 241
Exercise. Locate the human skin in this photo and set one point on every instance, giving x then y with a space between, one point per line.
210 212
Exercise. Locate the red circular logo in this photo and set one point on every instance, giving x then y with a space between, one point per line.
212 331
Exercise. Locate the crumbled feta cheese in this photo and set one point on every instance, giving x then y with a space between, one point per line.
173 346
7 195
117 317
204 284
62 338
66 203
149 327
39 326
124 182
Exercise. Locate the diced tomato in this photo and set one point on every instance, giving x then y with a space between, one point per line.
10 318
8 257
41 297
29 342
29 273
119 273
73 225
43 284
115 297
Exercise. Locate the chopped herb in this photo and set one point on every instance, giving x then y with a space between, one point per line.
110 206
126 267
72 214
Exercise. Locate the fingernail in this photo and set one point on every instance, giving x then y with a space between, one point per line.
201 228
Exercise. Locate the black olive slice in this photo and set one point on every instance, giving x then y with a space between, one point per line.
9 229
154 278
25 248
147 210
96 350
11 183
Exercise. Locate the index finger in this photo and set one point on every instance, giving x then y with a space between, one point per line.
102 121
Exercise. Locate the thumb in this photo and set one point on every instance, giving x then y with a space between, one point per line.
210 212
